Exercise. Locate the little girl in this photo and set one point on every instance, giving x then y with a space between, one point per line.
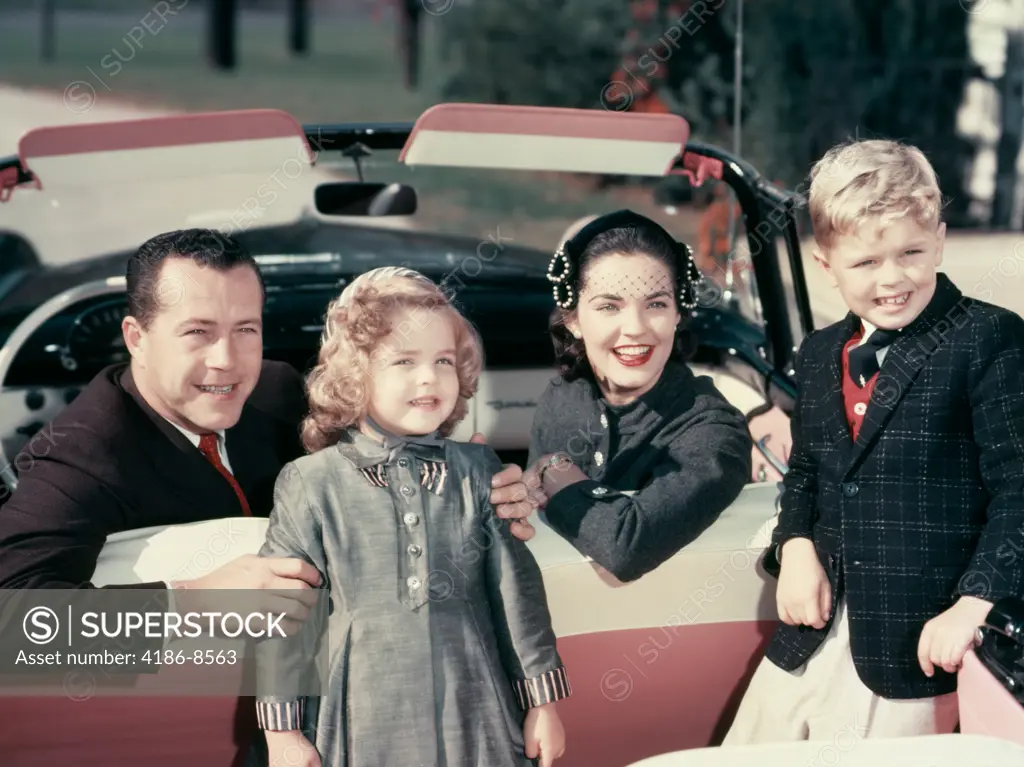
442 651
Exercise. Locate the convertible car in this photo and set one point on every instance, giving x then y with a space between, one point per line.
658 665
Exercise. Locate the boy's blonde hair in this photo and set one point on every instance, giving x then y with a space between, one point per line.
871 182
357 321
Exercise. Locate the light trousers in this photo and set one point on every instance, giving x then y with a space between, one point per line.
826 700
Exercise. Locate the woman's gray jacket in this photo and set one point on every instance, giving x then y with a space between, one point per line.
681 448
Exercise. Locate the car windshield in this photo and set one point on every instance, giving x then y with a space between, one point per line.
506 222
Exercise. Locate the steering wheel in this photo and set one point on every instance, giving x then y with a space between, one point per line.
35 320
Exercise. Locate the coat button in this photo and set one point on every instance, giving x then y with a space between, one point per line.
414 550
604 420
600 491
413 581
598 458
406 491
403 462
411 519
850 489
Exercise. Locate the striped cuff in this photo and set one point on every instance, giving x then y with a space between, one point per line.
546 688
283 715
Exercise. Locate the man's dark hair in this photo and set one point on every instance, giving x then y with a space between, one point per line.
205 247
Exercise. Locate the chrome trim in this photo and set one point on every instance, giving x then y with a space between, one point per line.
32 323
777 463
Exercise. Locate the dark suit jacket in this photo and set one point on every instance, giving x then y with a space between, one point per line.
928 503
110 464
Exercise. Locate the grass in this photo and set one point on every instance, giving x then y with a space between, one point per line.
353 74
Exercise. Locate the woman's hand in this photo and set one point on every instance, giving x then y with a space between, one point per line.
290 748
543 734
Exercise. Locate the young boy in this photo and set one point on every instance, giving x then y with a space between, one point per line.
904 501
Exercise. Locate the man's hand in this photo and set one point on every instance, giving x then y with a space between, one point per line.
804 595
512 497
947 637
289 583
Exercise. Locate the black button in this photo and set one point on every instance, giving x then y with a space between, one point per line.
850 489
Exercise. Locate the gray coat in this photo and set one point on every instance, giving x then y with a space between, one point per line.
439 628
660 469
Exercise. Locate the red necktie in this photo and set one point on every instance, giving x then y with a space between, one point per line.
208 447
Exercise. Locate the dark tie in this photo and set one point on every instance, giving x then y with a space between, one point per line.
864 358
208 447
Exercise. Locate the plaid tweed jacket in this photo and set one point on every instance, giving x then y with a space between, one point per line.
928 503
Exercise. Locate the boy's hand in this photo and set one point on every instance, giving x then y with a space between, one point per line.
804 595
544 734
947 637
290 748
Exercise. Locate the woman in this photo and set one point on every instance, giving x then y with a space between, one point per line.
635 454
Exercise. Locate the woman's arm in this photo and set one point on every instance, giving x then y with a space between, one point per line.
707 463
541 430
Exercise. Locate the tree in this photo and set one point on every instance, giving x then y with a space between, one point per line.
815 74
828 72
544 53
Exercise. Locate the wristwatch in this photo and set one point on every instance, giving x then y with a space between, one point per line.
558 459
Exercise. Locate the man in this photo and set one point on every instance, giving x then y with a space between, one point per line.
198 426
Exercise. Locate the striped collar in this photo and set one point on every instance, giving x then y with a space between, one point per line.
363 450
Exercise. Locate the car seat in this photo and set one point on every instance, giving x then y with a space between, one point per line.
991 680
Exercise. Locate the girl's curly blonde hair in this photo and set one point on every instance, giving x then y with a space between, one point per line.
356 324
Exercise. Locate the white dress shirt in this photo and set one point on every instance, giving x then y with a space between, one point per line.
868 330
222 451
221 447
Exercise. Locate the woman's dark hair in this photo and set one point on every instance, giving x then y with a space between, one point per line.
627 233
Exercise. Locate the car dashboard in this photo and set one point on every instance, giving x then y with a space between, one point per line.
52 351
62 355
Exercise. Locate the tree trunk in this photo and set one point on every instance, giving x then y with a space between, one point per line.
222 33
410 15
1011 135
298 27
47 30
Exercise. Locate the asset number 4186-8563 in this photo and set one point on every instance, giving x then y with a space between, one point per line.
197 657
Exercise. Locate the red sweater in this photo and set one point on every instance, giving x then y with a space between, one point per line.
855 398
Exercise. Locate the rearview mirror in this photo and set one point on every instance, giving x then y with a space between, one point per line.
354 198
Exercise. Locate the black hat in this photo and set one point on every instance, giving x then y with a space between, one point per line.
563 269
